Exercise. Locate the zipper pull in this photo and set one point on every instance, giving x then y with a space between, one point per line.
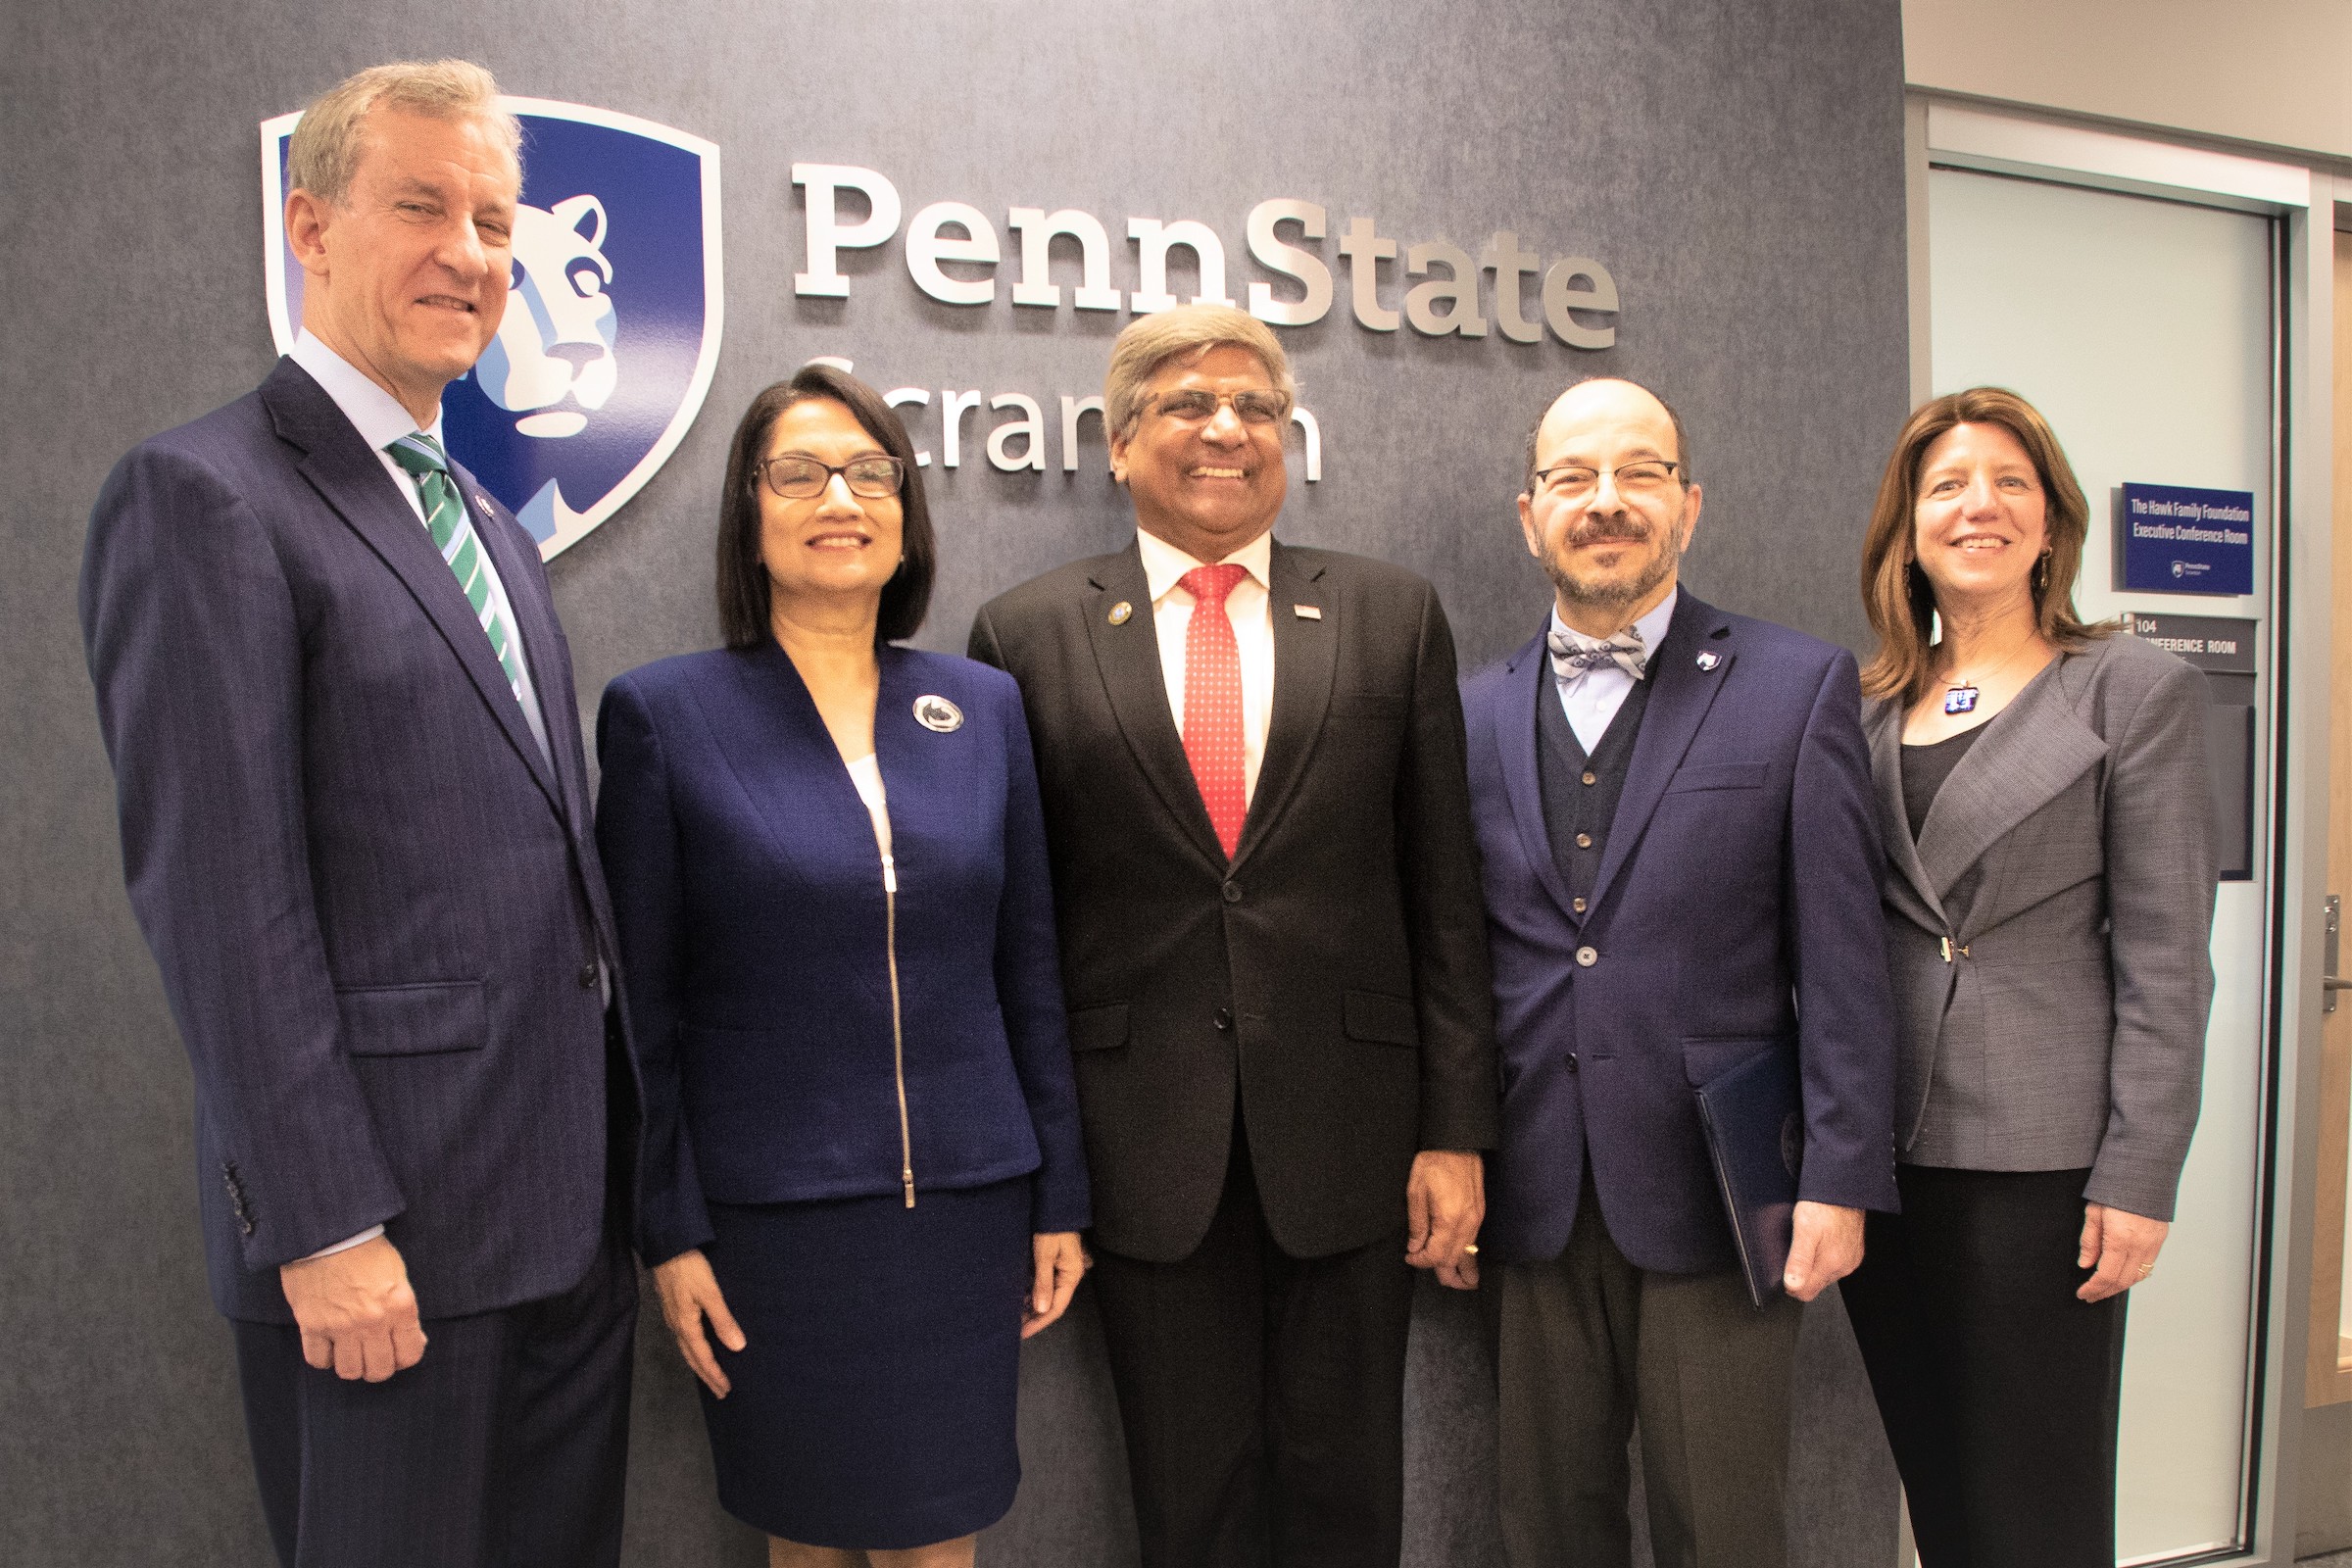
906 1175
889 874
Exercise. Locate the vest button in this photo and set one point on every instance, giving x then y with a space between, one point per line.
588 976
1572 1062
1233 893
1586 957
1222 1018
1578 905
1583 840
1591 777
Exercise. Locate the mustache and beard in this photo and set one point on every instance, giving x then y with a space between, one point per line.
1619 588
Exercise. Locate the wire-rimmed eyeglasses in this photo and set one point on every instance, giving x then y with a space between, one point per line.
1573 481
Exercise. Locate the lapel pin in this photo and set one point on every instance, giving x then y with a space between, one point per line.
1307 612
938 715
1709 660
1119 612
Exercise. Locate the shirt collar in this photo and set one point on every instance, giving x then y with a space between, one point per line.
1163 562
372 412
1651 626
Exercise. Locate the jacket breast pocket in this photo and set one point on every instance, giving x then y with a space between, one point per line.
1379 1020
1098 1028
426 1019
1717 777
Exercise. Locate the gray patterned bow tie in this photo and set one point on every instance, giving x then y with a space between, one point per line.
1574 654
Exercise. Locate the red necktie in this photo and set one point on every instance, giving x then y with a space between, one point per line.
1212 701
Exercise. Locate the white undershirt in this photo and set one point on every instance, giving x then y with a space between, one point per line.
866 774
1248 608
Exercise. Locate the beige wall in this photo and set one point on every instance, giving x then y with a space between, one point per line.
2277 72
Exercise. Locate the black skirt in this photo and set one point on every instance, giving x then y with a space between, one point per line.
872 1402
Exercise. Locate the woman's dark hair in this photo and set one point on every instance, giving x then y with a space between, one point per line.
1895 593
743 592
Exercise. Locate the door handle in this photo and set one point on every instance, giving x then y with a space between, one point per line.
2330 984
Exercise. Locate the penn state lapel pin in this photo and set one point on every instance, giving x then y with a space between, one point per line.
1119 612
1709 660
1307 612
938 715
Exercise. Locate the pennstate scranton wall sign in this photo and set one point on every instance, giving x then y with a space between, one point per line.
612 328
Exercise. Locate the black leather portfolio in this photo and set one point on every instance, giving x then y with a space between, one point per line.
1755 1125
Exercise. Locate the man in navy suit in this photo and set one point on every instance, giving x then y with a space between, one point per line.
1682 872
356 833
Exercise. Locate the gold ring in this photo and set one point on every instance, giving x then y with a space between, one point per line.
2146 1269
1470 1248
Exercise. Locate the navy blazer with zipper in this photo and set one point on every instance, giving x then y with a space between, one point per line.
1734 910
374 901
758 939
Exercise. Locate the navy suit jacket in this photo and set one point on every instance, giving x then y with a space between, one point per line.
754 932
1734 910
376 907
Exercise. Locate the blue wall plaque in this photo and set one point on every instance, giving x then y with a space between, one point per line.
2174 540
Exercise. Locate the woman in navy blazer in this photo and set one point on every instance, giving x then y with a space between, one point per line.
862 1167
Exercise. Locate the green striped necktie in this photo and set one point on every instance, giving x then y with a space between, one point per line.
452 535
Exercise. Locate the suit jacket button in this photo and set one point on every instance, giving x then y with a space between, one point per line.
1224 1018
1572 1062
588 976
1233 893
1586 957
1577 905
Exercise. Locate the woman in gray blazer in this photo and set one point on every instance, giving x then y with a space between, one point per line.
2043 796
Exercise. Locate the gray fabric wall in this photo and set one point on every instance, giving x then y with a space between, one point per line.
1736 167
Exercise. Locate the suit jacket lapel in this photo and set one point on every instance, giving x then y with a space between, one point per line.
351 480
1127 658
1679 701
1914 890
1515 743
1305 660
2029 752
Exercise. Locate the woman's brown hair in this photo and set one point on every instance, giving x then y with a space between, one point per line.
1895 593
743 590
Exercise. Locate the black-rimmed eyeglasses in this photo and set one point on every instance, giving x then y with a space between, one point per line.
798 479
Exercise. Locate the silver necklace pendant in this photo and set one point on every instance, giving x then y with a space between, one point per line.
1960 698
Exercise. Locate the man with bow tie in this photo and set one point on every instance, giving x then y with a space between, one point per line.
1681 871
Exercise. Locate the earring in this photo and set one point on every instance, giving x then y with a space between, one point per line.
2041 572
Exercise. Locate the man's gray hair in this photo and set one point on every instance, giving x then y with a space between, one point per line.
1682 437
326 147
1152 341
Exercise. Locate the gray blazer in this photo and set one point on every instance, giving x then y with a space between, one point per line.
2048 933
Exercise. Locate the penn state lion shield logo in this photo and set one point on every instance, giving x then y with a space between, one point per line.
612 327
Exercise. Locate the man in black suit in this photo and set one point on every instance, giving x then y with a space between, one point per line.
1274 951
356 832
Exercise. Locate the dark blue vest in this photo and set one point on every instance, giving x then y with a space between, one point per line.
1581 790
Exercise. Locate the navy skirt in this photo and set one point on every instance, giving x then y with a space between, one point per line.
872 1402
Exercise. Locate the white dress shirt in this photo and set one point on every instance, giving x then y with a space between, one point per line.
380 421
1247 607
1593 699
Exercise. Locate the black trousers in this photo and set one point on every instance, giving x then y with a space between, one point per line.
504 1448
1998 1388
1263 1395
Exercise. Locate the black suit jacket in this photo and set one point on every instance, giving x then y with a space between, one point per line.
376 904
1333 973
